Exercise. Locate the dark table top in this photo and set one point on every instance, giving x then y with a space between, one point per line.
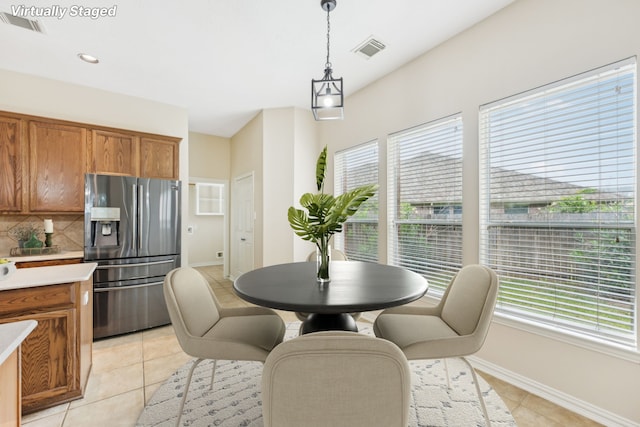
355 286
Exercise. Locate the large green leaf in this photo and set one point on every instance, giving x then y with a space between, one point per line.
321 167
326 213
348 203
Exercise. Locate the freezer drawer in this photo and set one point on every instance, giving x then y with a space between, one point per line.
131 308
133 268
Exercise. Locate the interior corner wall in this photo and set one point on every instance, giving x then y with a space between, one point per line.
280 146
247 158
27 94
209 156
306 149
278 167
209 161
525 45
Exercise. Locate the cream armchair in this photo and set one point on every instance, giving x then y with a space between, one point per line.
337 379
456 327
206 330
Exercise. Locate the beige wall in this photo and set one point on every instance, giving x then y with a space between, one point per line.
246 158
209 161
278 152
209 156
27 94
528 44
280 146
307 147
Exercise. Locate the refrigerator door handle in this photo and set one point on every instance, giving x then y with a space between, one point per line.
134 221
141 215
140 264
125 288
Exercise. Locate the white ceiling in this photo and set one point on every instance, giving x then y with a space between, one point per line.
224 60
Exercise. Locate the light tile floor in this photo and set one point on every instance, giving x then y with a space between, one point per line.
127 370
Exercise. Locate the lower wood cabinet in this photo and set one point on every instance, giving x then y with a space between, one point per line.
56 356
10 390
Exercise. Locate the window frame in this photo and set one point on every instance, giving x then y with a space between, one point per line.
430 142
342 183
619 343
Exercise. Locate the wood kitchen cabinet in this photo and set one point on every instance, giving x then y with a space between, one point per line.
114 153
12 153
43 161
57 164
56 356
159 158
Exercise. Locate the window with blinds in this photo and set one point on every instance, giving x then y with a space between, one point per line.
425 200
354 167
558 202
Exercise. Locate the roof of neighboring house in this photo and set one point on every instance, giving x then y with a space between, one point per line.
433 174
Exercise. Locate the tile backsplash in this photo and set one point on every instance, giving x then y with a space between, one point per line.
68 231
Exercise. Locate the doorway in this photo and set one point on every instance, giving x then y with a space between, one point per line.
243 217
207 242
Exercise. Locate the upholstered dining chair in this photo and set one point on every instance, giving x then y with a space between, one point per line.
206 330
336 255
337 379
456 327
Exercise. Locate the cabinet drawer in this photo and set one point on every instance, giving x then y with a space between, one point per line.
37 298
30 264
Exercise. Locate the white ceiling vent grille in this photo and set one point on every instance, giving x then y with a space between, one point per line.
369 47
18 21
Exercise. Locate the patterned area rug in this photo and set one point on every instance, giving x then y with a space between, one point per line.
236 401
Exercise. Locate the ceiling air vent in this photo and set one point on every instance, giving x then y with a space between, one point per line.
18 21
369 47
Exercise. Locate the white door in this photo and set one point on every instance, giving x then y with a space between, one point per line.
243 219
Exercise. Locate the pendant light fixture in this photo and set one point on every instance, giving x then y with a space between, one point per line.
327 96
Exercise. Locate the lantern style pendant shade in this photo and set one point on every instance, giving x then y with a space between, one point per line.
327 96
327 99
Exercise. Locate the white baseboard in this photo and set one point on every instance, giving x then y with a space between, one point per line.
558 397
205 264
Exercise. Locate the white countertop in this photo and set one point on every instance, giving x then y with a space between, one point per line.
61 255
12 334
40 276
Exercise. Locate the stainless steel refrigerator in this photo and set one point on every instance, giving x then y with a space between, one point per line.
132 230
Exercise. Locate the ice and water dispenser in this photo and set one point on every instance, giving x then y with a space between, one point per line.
105 225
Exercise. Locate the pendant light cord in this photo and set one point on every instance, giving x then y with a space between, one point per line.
328 64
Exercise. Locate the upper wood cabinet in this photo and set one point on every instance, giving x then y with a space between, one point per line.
43 161
114 153
159 158
57 164
11 163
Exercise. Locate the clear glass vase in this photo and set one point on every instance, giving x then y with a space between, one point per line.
323 264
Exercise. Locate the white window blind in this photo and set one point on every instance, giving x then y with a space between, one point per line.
354 167
558 198
425 200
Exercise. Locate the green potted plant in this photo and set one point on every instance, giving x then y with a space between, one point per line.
25 232
325 214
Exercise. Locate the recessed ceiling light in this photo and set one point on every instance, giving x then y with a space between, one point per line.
88 58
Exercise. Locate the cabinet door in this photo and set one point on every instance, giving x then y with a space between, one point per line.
58 162
11 158
49 364
159 158
114 153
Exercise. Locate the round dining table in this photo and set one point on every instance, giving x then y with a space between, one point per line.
354 286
